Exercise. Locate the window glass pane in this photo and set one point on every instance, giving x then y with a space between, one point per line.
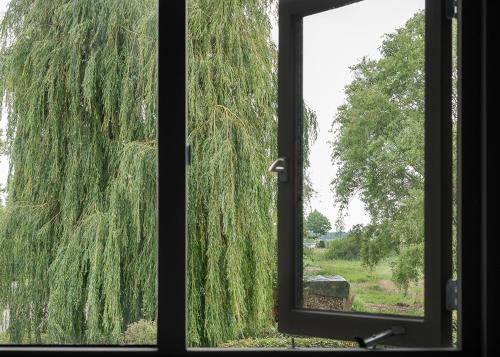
78 237
363 176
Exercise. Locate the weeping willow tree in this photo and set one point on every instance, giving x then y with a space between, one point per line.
78 247
232 129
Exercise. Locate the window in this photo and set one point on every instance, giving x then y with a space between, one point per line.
473 109
313 304
471 192
470 320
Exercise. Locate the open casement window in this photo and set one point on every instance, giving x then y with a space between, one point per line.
433 327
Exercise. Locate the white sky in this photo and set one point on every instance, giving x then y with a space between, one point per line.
333 41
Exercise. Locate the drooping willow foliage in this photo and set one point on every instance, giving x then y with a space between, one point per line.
232 91
232 130
78 245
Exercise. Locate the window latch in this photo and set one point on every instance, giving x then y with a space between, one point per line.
451 9
279 166
372 341
451 295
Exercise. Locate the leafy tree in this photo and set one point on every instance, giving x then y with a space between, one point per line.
78 244
232 129
317 223
79 78
379 145
379 148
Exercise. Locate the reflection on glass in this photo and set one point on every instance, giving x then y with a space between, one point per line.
363 217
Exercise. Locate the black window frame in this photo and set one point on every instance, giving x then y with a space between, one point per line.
476 247
435 328
473 335
477 323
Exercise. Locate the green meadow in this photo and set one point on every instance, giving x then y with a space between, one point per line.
370 291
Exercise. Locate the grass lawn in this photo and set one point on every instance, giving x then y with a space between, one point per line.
372 292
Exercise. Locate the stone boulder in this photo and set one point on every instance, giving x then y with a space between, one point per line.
326 292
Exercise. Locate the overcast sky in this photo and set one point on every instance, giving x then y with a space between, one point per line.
333 41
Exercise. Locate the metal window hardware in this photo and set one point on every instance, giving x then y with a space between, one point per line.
451 9
188 154
372 341
451 295
279 166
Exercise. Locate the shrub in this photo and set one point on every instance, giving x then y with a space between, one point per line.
271 338
345 248
322 244
351 246
142 332
285 342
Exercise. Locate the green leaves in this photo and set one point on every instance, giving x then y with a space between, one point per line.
317 223
232 132
78 236
379 147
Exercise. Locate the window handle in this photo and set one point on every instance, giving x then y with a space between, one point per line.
279 166
372 341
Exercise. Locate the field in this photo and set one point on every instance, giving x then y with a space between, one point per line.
372 292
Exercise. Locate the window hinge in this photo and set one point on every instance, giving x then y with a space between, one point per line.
451 295
188 155
451 9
